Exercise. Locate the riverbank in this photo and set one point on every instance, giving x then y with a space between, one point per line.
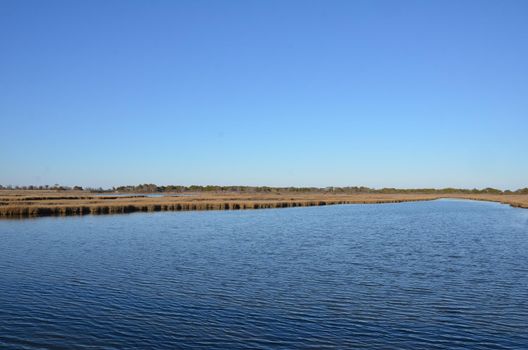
24 204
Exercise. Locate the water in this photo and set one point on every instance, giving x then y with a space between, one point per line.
427 275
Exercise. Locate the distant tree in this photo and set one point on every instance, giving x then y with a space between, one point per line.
491 190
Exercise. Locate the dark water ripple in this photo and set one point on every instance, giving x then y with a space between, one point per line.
430 275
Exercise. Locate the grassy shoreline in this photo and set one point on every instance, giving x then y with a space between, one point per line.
24 204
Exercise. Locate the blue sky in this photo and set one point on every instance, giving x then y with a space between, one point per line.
279 93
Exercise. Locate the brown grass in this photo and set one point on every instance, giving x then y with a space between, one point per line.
22 204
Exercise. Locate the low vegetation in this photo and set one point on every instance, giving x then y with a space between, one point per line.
62 202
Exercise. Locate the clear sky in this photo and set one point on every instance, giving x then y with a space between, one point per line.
279 93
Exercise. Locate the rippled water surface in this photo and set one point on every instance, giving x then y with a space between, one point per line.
428 275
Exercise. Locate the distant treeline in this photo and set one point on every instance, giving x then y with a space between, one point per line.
152 188
55 187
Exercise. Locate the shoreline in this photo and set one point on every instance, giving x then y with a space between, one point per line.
20 204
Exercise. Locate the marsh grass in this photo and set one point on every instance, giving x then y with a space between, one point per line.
14 204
